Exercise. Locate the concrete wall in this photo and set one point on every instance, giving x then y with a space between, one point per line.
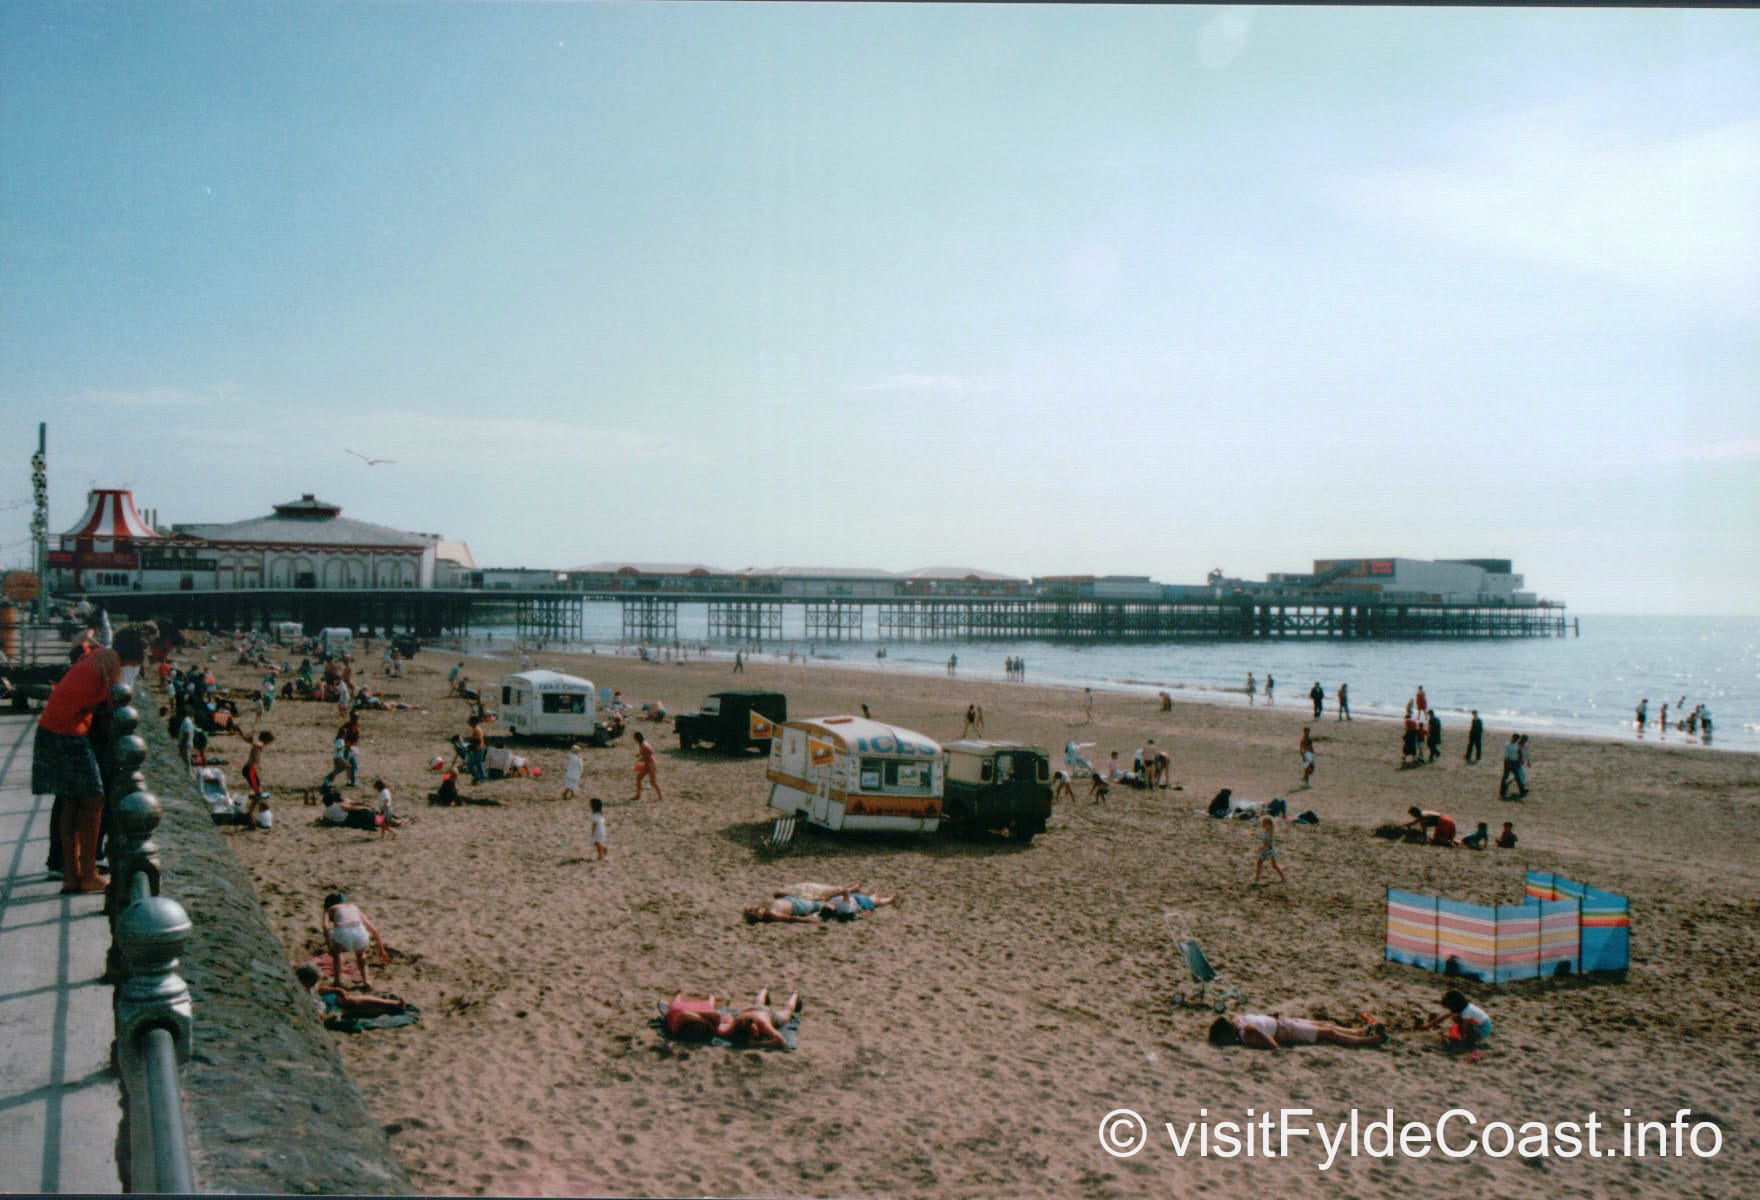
271 1108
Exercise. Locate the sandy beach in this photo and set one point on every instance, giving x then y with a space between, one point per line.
968 1041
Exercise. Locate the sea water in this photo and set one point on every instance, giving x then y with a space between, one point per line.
1584 684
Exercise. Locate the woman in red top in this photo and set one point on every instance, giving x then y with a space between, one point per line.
63 764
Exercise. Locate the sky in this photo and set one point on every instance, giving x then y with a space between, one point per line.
1036 289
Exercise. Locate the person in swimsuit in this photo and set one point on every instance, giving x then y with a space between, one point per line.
761 1024
1267 851
253 766
333 1001
347 929
696 1018
646 768
1060 788
1263 1032
795 909
1307 757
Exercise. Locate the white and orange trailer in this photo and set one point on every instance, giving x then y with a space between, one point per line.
857 774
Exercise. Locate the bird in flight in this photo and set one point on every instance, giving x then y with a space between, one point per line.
372 462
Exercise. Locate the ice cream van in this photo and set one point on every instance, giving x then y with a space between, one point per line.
858 774
549 704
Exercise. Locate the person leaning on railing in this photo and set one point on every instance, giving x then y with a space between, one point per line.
63 762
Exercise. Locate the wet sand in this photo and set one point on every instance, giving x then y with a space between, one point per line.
968 1041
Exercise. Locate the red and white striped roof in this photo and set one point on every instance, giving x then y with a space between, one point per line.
111 515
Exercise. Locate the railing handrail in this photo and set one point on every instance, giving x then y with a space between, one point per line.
154 1023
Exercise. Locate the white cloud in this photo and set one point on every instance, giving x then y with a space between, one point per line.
1584 186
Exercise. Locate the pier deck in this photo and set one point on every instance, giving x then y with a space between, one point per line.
742 618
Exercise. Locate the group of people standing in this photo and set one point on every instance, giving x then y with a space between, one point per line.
1697 722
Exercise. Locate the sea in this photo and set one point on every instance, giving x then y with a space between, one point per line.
1587 683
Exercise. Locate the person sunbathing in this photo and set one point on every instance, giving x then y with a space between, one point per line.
761 1024
696 1018
1263 1032
852 904
334 1001
792 909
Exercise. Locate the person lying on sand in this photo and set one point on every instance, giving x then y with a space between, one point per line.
817 891
760 1024
334 1001
793 909
696 1018
1263 1032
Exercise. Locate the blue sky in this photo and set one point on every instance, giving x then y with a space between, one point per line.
1036 289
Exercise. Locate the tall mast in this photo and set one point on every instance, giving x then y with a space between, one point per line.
40 519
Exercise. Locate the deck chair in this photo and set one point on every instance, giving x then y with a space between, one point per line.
1219 998
781 833
221 806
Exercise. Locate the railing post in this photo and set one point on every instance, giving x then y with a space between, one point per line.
133 814
152 933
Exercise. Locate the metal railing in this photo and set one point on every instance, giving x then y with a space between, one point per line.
154 1024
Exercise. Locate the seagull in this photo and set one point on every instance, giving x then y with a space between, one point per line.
371 462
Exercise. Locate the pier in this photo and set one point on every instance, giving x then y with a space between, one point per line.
744 619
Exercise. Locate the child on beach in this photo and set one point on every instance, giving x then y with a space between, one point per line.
646 768
383 815
571 776
1477 839
596 824
1267 851
1307 756
346 928
1506 840
253 767
1469 1026
1060 787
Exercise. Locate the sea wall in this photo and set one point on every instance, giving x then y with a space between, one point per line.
271 1108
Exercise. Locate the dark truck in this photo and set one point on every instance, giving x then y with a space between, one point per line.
997 785
727 723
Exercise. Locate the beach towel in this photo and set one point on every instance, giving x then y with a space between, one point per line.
411 1015
788 1032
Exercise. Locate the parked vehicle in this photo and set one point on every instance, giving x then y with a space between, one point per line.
858 774
289 633
997 785
549 704
335 642
733 721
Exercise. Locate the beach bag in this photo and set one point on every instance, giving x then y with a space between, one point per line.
1219 806
1309 817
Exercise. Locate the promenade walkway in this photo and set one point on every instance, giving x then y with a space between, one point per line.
60 1100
